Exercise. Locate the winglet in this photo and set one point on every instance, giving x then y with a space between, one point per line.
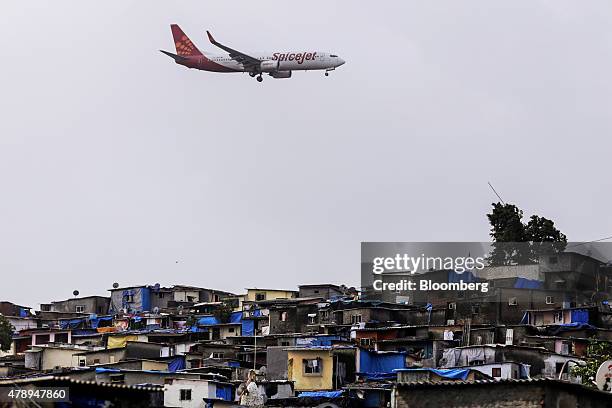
210 37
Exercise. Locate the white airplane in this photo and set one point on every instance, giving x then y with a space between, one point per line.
276 64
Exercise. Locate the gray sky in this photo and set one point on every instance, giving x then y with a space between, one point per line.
115 162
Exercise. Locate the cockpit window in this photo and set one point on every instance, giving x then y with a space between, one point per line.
333 56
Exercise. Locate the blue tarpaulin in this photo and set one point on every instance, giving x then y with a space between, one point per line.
453 373
100 370
177 364
71 324
377 376
225 392
207 320
248 327
524 283
580 316
236 317
558 328
95 322
372 362
321 394
233 363
317 340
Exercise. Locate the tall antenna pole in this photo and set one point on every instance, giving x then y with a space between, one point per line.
498 196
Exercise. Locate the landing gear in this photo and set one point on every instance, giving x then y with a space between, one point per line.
259 78
252 74
327 74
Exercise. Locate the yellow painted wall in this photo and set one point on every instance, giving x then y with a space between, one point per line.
270 294
295 370
154 365
120 341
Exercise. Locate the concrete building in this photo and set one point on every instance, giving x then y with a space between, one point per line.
256 294
537 393
194 393
87 304
320 368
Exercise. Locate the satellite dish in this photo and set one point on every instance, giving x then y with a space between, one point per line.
75 292
115 285
603 378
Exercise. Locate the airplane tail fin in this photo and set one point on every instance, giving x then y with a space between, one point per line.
184 46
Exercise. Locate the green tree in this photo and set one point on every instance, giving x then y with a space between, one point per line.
6 333
544 238
515 242
223 313
506 228
597 353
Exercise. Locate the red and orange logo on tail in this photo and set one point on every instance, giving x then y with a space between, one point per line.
185 47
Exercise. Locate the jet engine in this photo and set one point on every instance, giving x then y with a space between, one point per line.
280 74
269 66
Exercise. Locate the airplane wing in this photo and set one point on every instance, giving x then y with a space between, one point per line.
249 63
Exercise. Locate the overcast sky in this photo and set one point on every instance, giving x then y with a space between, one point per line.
115 163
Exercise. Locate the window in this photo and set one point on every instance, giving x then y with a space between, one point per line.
549 300
79 308
324 314
284 343
365 342
216 298
496 372
558 317
316 291
42 339
356 319
231 329
333 56
312 366
82 362
116 378
283 316
160 295
96 361
218 354
185 395
512 301
452 306
260 296
475 309
128 298
312 318
60 338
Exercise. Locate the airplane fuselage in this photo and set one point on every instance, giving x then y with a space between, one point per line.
271 61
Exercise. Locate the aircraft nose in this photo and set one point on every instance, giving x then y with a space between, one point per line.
341 61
